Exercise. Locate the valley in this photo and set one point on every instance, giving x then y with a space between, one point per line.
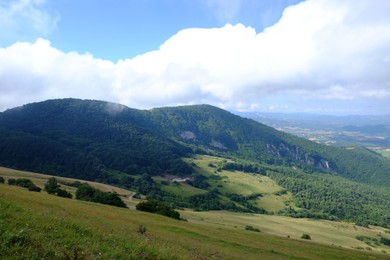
368 131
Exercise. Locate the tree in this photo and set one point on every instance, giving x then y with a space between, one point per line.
89 193
64 193
2 179
159 207
52 186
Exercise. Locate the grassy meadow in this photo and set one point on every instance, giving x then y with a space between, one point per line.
244 184
37 225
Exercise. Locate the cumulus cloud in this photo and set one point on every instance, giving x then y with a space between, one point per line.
319 50
25 19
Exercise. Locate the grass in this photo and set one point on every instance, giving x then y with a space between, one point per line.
243 183
321 231
37 225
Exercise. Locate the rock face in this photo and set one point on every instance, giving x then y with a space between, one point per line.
188 135
285 150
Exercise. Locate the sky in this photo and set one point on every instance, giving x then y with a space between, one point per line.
307 56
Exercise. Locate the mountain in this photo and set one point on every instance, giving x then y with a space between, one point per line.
219 131
93 139
146 150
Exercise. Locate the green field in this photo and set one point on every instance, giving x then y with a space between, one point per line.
38 225
244 184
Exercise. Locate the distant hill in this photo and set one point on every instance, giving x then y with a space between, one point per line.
102 140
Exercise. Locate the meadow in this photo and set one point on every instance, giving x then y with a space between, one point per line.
38 225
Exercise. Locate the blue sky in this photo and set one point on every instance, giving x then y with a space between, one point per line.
121 29
314 56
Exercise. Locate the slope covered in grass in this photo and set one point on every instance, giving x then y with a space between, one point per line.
37 225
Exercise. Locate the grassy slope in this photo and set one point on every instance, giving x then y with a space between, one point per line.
40 180
321 231
243 183
38 225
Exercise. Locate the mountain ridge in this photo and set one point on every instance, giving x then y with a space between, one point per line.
144 150
177 132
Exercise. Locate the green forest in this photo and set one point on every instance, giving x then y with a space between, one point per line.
129 148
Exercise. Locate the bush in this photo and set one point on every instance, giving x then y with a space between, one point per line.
88 193
385 241
2 180
64 193
306 236
141 229
52 186
250 228
25 183
158 207
34 188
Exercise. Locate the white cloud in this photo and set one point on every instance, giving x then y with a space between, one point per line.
25 19
320 50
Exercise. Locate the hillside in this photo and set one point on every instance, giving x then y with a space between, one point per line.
159 152
82 230
100 140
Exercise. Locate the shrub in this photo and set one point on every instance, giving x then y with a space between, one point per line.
306 236
25 183
250 228
88 193
141 229
158 207
11 181
52 186
2 180
64 193
34 188
385 241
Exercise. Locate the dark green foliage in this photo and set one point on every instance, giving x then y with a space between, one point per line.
88 193
34 188
86 140
25 183
110 143
64 193
208 201
158 207
251 168
385 241
306 236
250 228
52 186
335 198
2 180
281 192
199 181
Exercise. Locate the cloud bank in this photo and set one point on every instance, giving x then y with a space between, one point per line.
321 51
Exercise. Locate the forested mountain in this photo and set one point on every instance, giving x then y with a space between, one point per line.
230 135
86 139
107 142
93 139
